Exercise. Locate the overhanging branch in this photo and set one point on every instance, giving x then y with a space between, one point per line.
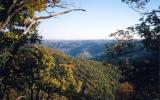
34 20
29 27
57 14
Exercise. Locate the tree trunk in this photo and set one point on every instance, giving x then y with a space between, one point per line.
32 86
3 92
7 95
49 96
37 95
4 22
32 93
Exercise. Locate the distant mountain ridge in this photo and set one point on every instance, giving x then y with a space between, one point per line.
95 49
79 48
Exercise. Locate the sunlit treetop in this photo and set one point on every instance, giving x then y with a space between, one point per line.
49 75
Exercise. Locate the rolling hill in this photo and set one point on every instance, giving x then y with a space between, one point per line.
79 48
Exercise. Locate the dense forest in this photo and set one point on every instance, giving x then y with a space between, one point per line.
31 69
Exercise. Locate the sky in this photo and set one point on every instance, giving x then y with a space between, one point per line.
101 18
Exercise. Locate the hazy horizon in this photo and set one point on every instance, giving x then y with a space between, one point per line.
80 39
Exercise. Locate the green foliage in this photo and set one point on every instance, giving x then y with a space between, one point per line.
123 44
144 69
99 81
29 66
34 68
25 67
150 29
63 72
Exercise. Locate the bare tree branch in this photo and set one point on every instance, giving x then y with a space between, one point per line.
29 27
34 20
10 14
57 14
11 7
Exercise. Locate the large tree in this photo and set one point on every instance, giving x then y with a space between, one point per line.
35 70
19 20
18 26
149 28
136 70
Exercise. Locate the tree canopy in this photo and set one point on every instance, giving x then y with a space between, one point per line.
134 71
35 68
22 64
27 8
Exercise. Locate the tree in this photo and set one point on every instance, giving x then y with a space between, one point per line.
34 68
148 30
124 40
21 20
125 91
10 8
18 26
62 81
28 66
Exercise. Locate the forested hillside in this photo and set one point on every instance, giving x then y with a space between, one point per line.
35 69
98 80
38 72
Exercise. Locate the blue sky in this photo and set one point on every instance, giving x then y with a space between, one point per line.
101 18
